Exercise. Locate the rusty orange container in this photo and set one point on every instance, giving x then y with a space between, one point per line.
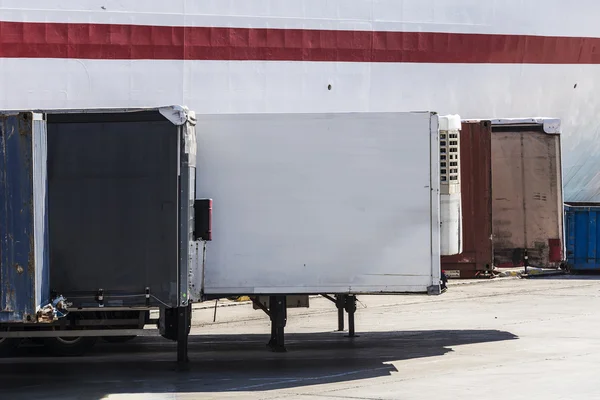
512 200
476 182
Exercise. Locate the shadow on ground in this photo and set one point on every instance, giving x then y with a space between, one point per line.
222 363
574 275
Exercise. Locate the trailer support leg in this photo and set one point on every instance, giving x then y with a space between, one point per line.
340 302
183 320
351 310
278 314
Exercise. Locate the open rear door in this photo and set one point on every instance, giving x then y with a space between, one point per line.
527 199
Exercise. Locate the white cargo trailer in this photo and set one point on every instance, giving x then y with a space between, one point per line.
286 205
320 203
341 204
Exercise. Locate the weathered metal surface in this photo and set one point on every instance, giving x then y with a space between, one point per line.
476 179
121 190
583 236
527 202
23 236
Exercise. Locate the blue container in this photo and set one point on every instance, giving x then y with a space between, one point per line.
24 260
582 228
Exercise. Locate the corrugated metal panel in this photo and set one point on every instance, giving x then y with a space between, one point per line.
527 196
583 236
23 237
476 180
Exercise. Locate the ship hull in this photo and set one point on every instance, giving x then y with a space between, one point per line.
478 61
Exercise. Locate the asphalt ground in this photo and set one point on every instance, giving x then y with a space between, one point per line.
512 338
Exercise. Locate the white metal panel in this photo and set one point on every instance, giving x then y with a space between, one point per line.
451 224
476 91
312 203
530 17
568 92
434 201
40 210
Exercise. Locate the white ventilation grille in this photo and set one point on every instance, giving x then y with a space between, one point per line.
450 154
450 200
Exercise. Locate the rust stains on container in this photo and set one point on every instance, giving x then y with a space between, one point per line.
19 269
22 226
511 194
527 202
476 181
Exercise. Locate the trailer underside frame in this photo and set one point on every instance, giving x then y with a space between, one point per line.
173 324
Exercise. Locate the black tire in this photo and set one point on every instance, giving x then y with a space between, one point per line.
69 346
118 339
8 346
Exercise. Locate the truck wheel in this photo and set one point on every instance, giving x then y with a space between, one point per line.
70 346
8 346
118 339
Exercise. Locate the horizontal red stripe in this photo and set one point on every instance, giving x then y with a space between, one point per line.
135 42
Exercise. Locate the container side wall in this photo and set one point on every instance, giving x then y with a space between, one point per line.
435 207
17 262
476 179
331 203
583 237
526 196
543 215
508 203
570 235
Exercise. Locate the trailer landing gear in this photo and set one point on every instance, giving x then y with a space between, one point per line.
175 324
183 325
278 314
340 303
345 302
351 310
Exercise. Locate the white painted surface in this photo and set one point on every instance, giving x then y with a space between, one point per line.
474 91
450 122
451 224
321 203
39 159
535 17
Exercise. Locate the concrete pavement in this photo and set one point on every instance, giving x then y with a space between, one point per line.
497 339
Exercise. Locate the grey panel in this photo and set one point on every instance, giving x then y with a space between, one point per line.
113 208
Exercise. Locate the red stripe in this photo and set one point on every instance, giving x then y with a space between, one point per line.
135 42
